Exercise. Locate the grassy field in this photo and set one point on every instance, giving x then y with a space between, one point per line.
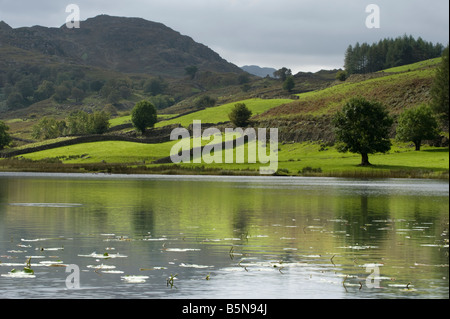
127 119
415 66
220 113
296 159
315 159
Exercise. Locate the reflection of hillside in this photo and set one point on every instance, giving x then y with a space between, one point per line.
282 222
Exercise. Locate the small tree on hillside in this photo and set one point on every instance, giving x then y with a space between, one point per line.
240 115
282 73
5 139
98 122
191 71
205 101
363 127
341 75
48 128
143 116
289 84
416 125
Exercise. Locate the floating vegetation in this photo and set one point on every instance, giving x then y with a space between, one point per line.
50 249
134 279
49 263
154 268
239 264
435 245
181 249
170 281
155 239
103 256
26 273
194 266
34 240
231 253
119 238
357 247
101 267
407 286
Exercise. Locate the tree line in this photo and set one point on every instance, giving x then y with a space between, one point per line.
78 123
24 86
389 53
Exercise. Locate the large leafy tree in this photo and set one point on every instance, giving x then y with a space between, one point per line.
143 116
440 89
416 125
363 127
5 138
282 73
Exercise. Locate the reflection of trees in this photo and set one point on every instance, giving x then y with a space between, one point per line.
360 211
3 200
240 219
143 219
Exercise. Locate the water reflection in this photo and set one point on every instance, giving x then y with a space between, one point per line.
252 237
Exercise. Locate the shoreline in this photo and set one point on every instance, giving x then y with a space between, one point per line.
177 171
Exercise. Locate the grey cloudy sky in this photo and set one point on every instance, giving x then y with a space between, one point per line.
304 35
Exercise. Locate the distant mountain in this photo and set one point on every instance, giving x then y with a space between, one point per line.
258 71
127 45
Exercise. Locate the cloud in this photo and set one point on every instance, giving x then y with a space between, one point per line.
304 35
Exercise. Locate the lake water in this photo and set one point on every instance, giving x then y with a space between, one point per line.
222 237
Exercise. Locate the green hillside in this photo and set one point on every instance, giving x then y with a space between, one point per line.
398 89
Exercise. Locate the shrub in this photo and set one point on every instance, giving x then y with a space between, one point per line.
143 116
240 115
5 139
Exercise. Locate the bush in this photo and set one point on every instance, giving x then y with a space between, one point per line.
143 116
48 128
98 123
5 139
341 76
78 123
309 170
205 101
240 115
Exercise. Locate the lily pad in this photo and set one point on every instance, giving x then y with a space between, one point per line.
134 279
26 273
103 256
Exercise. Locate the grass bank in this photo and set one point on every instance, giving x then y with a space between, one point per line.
294 159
